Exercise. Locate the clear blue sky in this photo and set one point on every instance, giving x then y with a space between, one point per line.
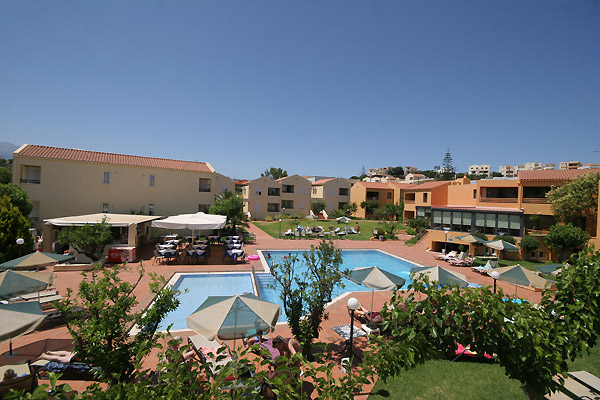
313 87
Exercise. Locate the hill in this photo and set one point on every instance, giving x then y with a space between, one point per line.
7 149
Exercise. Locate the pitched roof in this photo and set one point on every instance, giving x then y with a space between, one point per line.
57 153
401 185
552 174
322 181
427 185
375 185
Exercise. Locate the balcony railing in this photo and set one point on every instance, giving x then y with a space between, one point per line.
32 181
536 200
499 200
407 201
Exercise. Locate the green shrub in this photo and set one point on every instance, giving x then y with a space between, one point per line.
268 218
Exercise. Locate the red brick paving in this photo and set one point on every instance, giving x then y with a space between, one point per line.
30 346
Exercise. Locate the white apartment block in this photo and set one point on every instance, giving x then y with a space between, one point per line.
482 169
569 165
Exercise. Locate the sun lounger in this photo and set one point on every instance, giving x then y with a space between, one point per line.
208 354
70 371
25 379
35 295
445 257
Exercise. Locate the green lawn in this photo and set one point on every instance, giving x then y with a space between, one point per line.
366 227
447 380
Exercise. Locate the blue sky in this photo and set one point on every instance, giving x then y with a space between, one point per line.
313 87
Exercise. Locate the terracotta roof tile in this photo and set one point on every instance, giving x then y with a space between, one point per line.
375 185
427 185
552 174
57 153
322 181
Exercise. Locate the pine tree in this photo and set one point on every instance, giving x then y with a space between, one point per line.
447 167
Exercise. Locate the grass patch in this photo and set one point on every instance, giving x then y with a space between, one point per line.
445 380
366 227
590 363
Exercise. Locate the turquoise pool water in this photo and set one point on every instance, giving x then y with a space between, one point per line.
351 259
199 287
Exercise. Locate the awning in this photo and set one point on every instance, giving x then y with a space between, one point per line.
199 221
117 220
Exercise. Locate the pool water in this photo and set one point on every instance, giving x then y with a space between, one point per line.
269 290
195 288
199 287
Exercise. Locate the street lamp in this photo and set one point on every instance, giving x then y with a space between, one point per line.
20 242
353 305
446 229
495 275
279 228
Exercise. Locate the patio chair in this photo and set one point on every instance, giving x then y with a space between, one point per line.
25 380
73 371
158 257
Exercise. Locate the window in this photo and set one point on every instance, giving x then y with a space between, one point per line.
31 174
287 204
533 254
106 178
314 191
343 192
341 205
287 188
104 207
425 195
474 193
273 207
372 196
224 189
151 181
389 195
258 191
204 185
541 254
203 208
150 208
273 191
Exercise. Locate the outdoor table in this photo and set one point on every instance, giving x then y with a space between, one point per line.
234 246
201 242
167 237
234 251
344 331
213 239
199 247
233 237
165 246
173 242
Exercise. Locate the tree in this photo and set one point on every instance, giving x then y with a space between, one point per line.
275 173
5 175
447 167
566 237
89 239
13 225
350 209
398 172
317 206
369 206
230 205
18 197
529 244
101 316
577 199
305 294
506 238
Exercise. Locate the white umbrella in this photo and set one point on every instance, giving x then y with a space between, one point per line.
375 278
198 221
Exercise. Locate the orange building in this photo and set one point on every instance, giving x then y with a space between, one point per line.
494 207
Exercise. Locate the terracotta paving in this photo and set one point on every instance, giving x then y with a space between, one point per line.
30 346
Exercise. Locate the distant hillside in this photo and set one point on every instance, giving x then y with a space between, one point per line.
7 149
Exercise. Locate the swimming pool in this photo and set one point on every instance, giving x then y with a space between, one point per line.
199 287
351 259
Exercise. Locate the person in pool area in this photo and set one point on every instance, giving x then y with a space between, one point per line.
9 375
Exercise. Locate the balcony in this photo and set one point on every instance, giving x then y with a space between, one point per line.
411 201
534 200
30 181
499 200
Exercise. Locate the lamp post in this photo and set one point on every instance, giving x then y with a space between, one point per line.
446 229
279 228
353 305
20 242
495 276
